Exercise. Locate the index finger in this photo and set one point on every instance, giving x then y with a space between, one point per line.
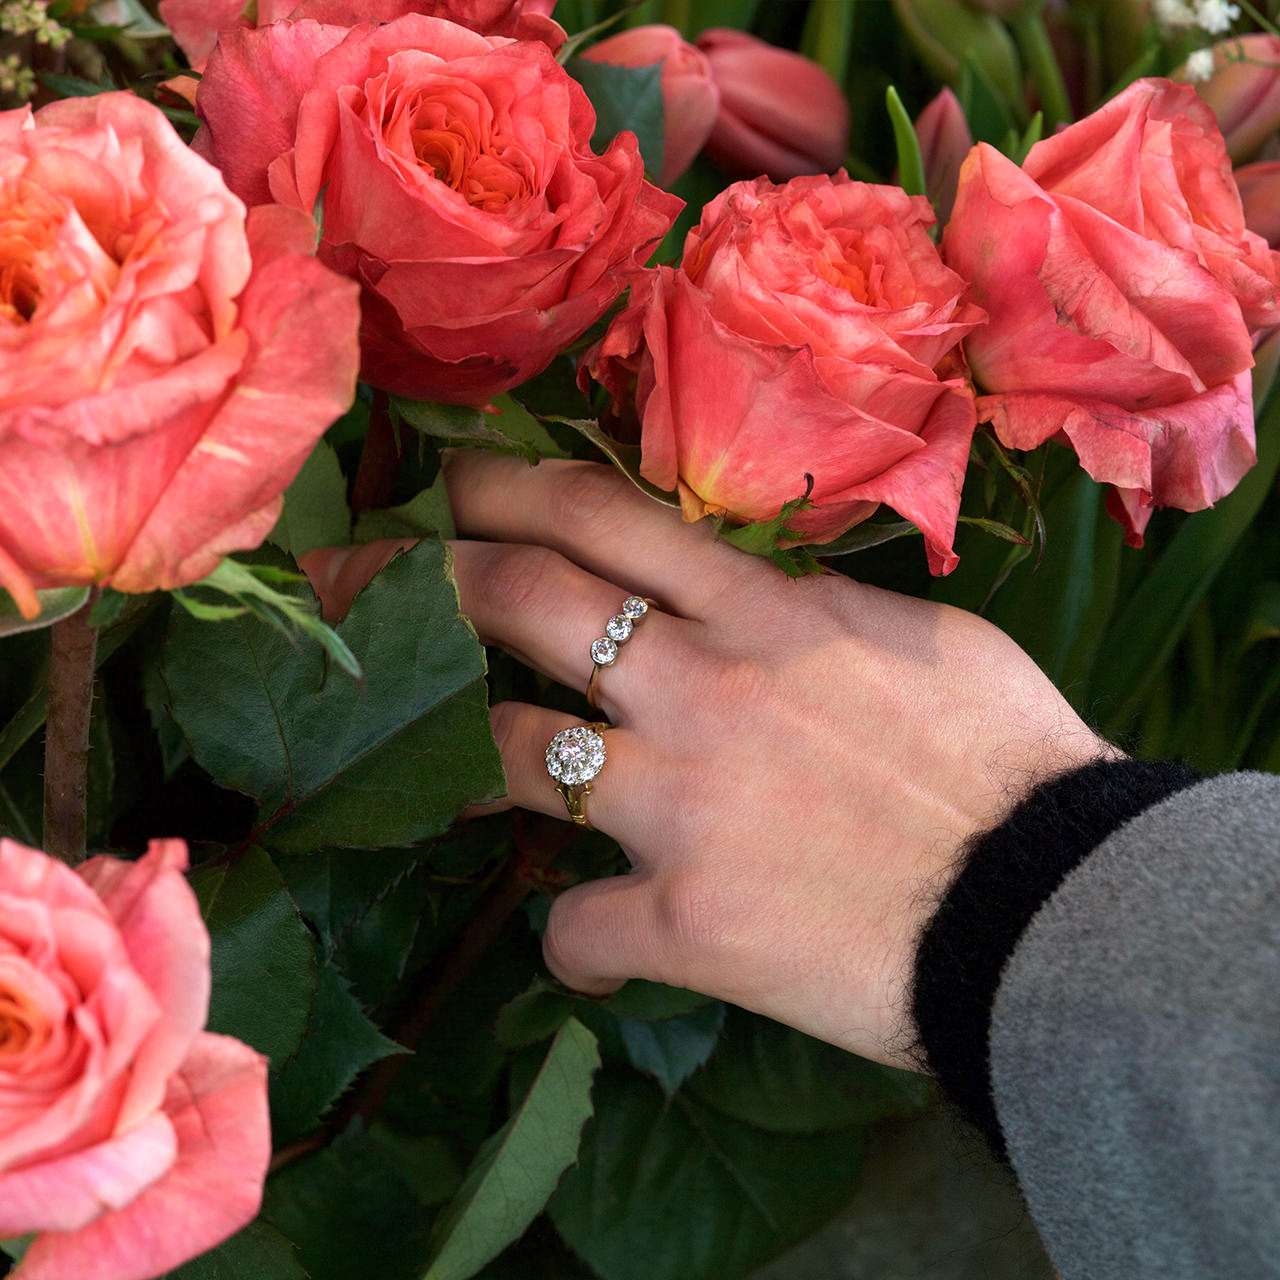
600 520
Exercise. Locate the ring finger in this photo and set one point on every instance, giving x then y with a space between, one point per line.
621 801
547 612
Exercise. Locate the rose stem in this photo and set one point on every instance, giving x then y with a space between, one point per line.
376 473
73 647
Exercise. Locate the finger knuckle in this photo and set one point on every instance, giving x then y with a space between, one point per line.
586 494
518 578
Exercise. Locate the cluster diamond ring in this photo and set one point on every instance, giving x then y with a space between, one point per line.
575 757
617 631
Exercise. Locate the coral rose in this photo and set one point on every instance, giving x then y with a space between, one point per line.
130 1139
1124 292
196 24
459 184
164 370
809 331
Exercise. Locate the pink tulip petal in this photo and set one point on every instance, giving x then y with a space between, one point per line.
195 23
217 1103
65 1194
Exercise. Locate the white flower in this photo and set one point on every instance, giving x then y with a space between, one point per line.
1199 65
1216 16
1174 13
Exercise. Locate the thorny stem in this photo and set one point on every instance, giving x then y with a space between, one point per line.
375 476
73 648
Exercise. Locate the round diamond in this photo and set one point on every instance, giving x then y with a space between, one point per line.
618 627
603 651
634 608
576 755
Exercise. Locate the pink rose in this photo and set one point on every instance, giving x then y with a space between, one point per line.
810 330
460 190
1124 293
690 98
165 370
196 24
130 1139
781 114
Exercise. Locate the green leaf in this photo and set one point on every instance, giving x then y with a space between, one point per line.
340 1042
672 1050
774 1078
653 1001
517 1169
426 513
1143 636
624 98
259 1252
315 512
626 457
18 1246
910 161
350 1212
332 763
534 1015
263 966
864 536
55 604
455 424
674 1189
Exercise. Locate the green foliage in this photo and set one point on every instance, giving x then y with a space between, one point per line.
263 971
518 1168
259 1252
624 98
386 762
315 512
674 1188
56 604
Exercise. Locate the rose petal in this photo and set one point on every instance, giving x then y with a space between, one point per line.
67 1193
217 1104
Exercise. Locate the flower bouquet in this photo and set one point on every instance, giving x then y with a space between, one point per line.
973 300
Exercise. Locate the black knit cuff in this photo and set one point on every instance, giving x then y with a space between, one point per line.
1008 874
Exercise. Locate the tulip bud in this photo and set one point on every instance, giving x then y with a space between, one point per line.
690 99
780 113
1244 91
1260 193
945 141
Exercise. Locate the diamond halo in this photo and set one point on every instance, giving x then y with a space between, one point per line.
576 755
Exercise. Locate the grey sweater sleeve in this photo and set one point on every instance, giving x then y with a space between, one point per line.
1135 1045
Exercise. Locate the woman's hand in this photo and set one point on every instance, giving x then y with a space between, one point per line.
795 763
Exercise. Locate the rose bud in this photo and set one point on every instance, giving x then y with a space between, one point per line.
1260 194
1244 91
945 141
690 99
460 190
780 113
1124 293
168 365
131 1139
807 342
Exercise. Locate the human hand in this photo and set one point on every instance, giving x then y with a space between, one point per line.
795 763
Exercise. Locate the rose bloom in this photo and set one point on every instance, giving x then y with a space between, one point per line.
810 330
130 1139
196 24
164 369
460 189
1124 294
